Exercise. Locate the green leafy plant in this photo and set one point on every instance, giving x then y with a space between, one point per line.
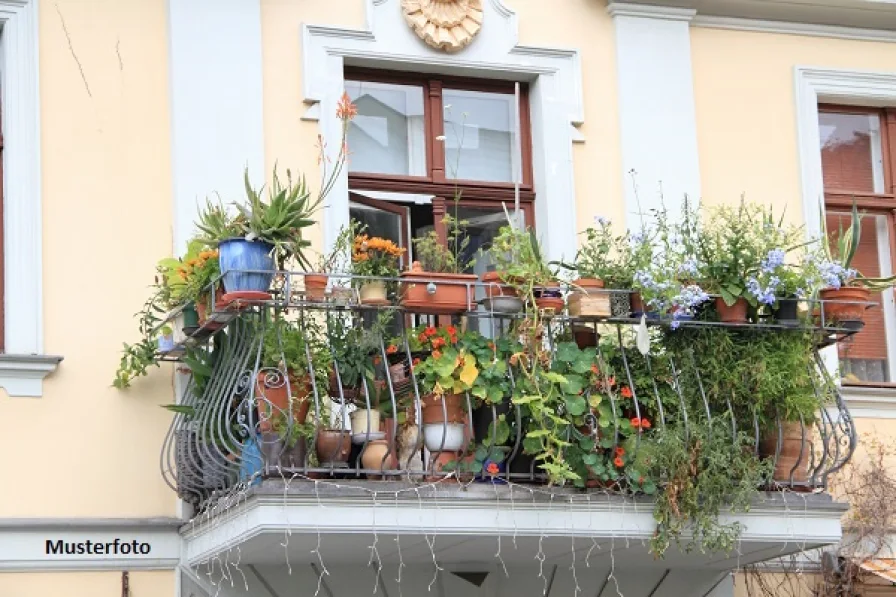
449 257
702 471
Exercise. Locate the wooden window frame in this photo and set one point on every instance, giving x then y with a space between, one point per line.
435 181
873 204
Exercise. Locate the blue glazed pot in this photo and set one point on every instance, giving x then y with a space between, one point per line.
240 254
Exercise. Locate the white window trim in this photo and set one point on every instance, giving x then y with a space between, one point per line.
23 367
865 88
554 75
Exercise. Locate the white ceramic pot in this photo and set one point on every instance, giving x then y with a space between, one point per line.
359 421
373 292
453 434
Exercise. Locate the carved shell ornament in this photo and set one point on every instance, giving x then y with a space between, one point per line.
448 25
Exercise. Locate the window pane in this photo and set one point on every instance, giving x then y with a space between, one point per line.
480 143
851 155
387 135
864 357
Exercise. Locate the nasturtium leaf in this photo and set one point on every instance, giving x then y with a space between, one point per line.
575 405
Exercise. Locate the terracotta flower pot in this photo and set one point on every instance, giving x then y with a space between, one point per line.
438 463
452 295
374 458
588 283
204 306
454 408
271 395
736 313
315 286
496 286
585 337
849 311
794 456
333 445
549 298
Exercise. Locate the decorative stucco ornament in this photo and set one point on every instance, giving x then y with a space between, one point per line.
448 25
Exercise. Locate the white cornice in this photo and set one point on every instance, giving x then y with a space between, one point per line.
763 26
22 375
669 13
873 403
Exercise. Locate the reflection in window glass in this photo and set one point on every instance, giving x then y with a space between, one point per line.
851 154
387 135
864 356
480 143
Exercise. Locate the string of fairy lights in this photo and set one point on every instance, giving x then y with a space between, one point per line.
243 491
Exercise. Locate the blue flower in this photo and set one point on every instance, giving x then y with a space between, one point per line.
601 221
773 260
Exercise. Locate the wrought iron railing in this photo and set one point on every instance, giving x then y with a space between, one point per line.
232 425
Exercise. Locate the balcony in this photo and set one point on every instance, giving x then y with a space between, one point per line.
270 432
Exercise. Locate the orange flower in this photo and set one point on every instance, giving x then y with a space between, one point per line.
345 109
645 424
436 354
641 479
619 462
594 369
430 331
438 342
492 469
377 360
626 392
392 349
636 422
611 381
451 330
421 338
620 451
415 362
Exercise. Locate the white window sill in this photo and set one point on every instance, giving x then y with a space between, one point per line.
22 375
870 402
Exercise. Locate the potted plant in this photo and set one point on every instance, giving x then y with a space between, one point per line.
283 382
445 376
374 258
436 282
333 444
328 264
597 266
264 235
517 255
847 292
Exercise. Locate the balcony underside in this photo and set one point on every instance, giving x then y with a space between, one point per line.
275 523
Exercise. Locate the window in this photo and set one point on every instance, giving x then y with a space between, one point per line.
859 163
419 141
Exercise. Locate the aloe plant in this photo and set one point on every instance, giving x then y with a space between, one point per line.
279 220
844 251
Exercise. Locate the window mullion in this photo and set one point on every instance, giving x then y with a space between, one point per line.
436 130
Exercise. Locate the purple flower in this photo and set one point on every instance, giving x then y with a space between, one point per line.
601 221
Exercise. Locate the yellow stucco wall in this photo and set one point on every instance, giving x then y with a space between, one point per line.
85 449
86 584
746 112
